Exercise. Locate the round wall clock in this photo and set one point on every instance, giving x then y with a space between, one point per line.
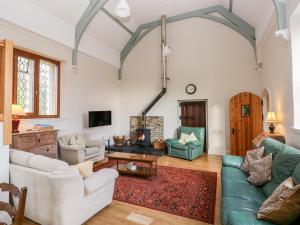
190 89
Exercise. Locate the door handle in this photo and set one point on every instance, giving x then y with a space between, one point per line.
232 131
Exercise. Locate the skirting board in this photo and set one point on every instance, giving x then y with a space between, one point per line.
216 151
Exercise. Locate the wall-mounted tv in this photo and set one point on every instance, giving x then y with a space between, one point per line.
99 118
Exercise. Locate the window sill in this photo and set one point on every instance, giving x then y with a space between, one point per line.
296 130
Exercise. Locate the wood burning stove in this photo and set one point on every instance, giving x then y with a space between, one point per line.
143 137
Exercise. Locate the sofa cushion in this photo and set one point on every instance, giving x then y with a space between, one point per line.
92 150
180 146
268 188
19 157
46 164
232 173
245 191
272 146
240 205
296 174
244 218
232 161
99 179
283 166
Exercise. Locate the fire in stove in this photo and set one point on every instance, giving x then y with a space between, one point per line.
143 137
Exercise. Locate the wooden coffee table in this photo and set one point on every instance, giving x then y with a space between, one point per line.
129 157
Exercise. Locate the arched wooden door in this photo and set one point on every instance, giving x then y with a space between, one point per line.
246 121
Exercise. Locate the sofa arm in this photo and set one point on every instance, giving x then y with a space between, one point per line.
94 143
99 180
72 154
171 141
65 186
232 161
243 218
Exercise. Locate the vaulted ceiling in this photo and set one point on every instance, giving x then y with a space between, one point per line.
110 35
143 11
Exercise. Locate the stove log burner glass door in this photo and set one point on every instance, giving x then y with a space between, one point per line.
143 136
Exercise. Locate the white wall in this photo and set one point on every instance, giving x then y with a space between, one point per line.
277 77
4 173
295 44
93 86
215 58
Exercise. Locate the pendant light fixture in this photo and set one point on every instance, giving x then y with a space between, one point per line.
122 9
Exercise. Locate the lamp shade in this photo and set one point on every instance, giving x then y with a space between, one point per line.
271 117
122 9
18 110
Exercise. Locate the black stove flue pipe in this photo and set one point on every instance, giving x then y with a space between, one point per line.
164 90
163 66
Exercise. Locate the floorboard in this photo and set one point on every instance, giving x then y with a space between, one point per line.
117 212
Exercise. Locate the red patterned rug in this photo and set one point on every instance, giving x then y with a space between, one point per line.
183 192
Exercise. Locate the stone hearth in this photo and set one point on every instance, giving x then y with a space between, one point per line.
154 123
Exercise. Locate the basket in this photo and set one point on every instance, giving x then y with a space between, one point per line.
119 140
159 145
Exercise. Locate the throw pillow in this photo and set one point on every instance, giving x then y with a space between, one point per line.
85 169
183 138
72 141
261 171
251 156
283 206
192 137
78 141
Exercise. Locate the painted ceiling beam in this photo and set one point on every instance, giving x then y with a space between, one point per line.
230 5
282 20
117 21
90 12
230 20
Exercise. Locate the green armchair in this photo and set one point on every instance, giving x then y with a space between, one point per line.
190 150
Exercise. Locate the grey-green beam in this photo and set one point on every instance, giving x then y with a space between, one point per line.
90 12
280 6
230 5
231 20
117 21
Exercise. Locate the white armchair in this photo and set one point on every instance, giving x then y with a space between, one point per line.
72 154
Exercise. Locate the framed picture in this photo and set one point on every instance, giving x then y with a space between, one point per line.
245 110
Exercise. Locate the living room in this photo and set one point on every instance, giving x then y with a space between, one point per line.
142 65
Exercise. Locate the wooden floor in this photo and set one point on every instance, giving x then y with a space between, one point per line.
116 213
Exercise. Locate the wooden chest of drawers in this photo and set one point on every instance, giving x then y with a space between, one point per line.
40 143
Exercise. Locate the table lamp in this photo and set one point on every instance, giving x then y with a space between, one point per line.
271 119
17 110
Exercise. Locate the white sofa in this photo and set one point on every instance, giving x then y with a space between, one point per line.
57 193
72 154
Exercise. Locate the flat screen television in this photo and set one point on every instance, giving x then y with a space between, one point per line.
99 118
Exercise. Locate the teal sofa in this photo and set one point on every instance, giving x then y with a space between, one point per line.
190 150
241 200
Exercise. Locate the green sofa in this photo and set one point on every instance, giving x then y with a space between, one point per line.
241 200
190 150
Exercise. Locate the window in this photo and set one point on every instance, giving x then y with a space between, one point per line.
36 84
295 43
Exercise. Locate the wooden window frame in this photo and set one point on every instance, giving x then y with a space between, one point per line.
37 59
